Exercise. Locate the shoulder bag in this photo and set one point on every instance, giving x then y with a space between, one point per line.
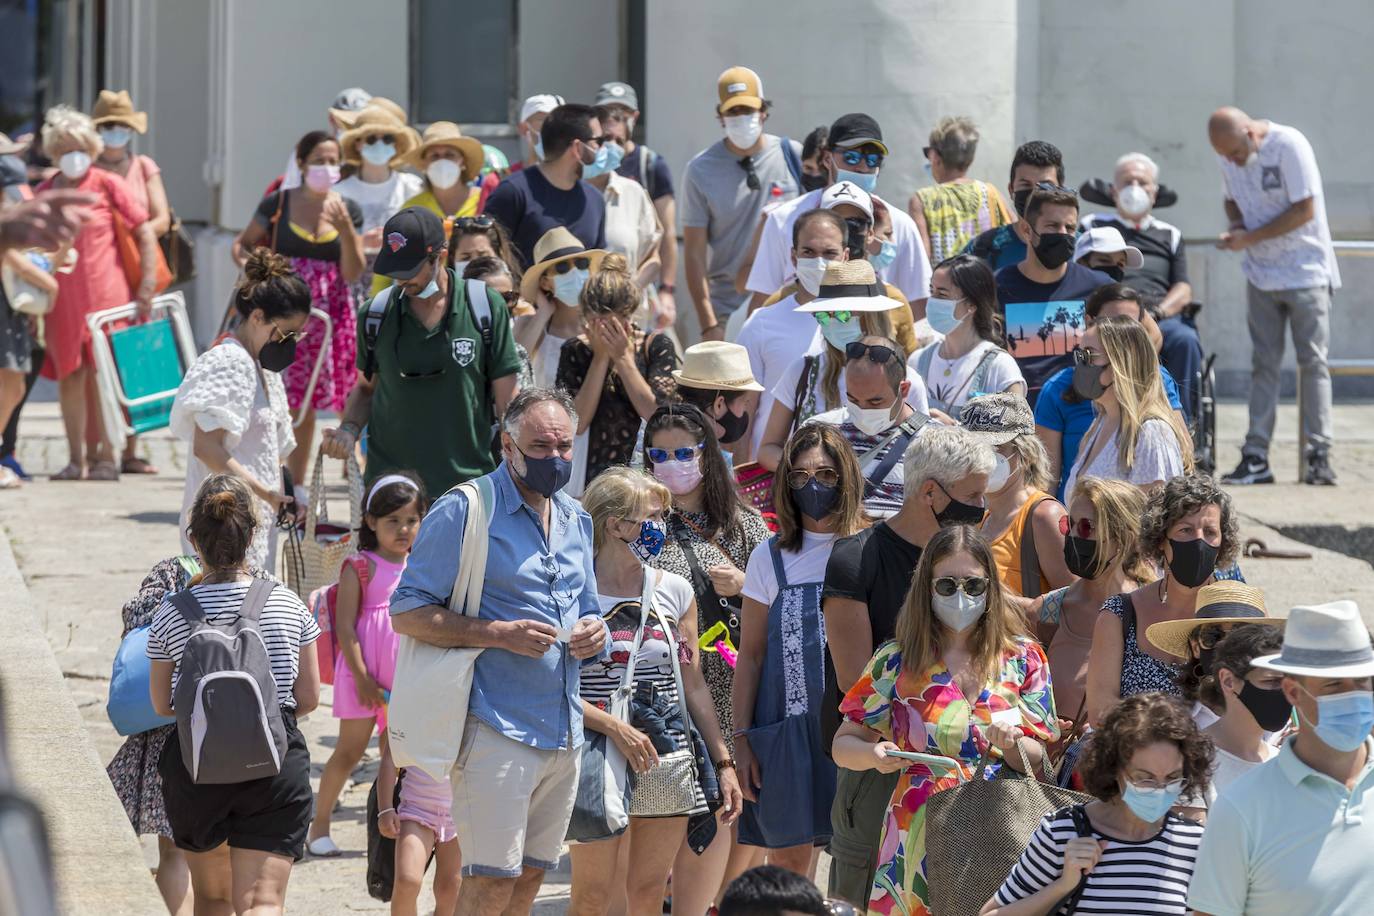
1030 559
753 481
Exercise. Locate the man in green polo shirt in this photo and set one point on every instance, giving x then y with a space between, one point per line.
430 384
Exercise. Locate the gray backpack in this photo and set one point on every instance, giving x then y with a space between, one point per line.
228 718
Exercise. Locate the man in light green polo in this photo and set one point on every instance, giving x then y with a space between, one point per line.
1296 834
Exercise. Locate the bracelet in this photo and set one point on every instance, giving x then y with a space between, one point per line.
741 733
351 428
727 764
666 288
385 811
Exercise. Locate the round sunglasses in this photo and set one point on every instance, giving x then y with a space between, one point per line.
563 267
661 455
382 138
973 586
856 157
1082 529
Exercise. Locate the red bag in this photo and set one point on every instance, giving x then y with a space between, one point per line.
755 484
323 604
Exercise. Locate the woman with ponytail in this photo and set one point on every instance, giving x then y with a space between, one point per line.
231 407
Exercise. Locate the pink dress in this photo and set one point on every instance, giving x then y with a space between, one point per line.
375 636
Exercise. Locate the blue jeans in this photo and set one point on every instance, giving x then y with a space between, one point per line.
1182 356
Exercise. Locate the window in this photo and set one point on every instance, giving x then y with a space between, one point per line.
462 62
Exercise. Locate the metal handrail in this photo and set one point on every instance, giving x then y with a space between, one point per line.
1336 367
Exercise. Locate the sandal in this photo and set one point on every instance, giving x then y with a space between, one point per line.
70 472
103 470
136 466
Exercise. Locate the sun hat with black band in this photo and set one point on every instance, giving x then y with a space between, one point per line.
1323 640
554 247
716 365
850 286
1225 602
409 238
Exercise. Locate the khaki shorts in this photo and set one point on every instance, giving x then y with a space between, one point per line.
511 802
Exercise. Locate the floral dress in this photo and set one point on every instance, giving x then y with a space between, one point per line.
927 713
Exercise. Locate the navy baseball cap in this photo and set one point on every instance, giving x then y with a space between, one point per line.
409 239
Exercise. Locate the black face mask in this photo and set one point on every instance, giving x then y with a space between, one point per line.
1193 563
732 427
813 182
1116 273
276 355
957 513
1080 556
815 500
1087 382
1019 199
1054 249
1269 707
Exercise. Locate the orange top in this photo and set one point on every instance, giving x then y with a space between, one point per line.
1006 549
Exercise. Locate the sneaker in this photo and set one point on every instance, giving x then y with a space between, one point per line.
1319 470
1252 469
13 464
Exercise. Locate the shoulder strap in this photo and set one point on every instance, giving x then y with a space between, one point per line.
189 608
646 598
359 564
793 161
646 157
1127 617
776 553
1030 560
805 382
472 563
980 371
896 448
677 674
480 305
276 217
372 326
256 600
923 361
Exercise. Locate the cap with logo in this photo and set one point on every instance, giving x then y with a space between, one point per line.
539 104
854 130
739 87
998 418
1107 240
716 365
617 93
408 239
847 192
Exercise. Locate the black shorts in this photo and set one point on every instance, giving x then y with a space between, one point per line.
268 815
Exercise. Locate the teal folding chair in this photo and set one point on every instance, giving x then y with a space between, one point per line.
138 367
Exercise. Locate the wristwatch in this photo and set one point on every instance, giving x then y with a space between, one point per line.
727 764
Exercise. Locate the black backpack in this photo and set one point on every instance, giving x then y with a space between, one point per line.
478 303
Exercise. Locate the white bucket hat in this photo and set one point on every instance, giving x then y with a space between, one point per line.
1323 640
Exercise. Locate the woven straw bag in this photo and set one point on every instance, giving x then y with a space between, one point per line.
311 558
976 832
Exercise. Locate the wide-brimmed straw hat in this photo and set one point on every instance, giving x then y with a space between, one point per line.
446 133
716 365
371 121
1323 640
118 108
553 248
850 286
1224 602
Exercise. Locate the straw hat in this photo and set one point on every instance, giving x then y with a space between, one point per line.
446 133
1224 602
716 366
118 108
371 121
1323 640
850 286
10 147
553 248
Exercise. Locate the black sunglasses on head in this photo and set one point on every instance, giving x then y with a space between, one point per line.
876 353
563 267
1051 186
482 223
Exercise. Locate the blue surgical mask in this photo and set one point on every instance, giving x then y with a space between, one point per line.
608 159
649 544
1344 720
567 287
378 153
925 167
433 286
116 137
1150 805
539 148
866 180
887 253
940 314
840 334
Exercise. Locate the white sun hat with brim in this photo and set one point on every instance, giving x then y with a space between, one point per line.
850 286
1323 640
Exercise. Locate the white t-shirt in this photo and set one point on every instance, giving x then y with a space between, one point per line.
1157 457
380 200
948 383
772 269
1230 768
544 360
801 567
774 336
785 391
1283 173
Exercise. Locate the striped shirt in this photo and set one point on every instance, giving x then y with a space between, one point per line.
286 626
1150 876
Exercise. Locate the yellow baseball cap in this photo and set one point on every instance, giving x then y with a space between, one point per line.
739 86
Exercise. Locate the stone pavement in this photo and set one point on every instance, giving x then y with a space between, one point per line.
84 547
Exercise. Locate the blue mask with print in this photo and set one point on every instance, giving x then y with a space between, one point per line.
866 180
1150 805
887 253
649 544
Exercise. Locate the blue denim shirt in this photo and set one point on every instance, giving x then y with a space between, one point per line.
528 577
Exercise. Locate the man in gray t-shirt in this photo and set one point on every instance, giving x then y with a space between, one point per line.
724 189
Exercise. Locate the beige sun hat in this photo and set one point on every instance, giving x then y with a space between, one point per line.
446 133
553 248
850 286
1222 602
716 365
371 121
118 108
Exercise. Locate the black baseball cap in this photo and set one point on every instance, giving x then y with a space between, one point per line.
409 238
856 129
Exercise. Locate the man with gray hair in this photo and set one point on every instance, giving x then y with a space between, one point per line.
515 778
1162 278
866 581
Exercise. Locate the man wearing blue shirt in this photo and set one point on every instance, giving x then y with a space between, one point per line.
516 773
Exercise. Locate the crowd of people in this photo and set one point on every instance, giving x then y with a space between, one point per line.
919 507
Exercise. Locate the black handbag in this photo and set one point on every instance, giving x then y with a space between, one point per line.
179 251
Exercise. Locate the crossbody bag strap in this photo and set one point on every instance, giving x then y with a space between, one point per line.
897 444
713 605
646 598
804 384
1030 559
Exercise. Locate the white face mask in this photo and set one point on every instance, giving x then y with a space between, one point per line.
958 611
744 130
1000 474
443 173
460 266
75 164
1133 200
869 420
810 272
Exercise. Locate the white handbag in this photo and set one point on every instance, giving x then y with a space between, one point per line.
431 687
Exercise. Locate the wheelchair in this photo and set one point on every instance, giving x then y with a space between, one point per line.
1203 408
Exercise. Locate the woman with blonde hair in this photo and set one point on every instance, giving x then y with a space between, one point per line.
1101 533
788 782
1136 435
628 510
957 638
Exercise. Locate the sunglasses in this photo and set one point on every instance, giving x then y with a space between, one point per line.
511 296
1210 635
855 157
563 267
800 477
382 138
1051 186
824 318
973 586
1082 529
876 353
751 178
661 455
286 336
483 222
1084 356
597 140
